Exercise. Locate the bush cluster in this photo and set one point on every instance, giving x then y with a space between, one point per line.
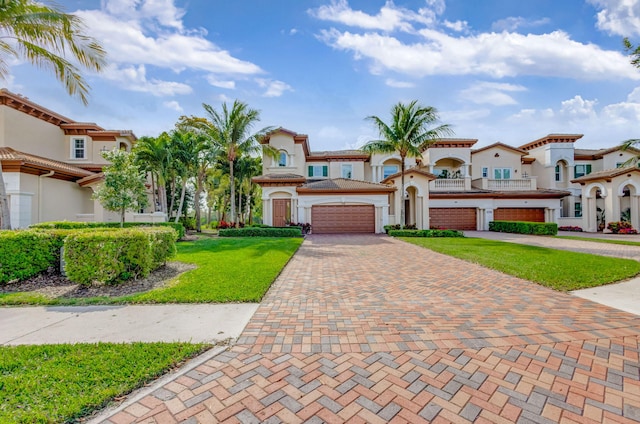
68 225
261 232
520 227
106 255
425 233
621 227
570 228
388 228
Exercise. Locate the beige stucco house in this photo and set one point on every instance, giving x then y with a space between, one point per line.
51 163
452 185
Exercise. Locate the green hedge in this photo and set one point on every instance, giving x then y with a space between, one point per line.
78 225
260 232
519 227
115 256
24 254
425 233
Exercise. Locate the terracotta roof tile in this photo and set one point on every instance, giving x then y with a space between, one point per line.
9 154
345 184
607 173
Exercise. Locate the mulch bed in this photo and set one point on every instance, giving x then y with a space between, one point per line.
54 285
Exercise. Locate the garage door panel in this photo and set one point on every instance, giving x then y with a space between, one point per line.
343 219
453 218
519 214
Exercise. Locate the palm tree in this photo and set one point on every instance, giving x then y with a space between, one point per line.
230 132
152 154
45 36
410 133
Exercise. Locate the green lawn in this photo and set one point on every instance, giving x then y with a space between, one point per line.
60 383
228 270
558 269
600 240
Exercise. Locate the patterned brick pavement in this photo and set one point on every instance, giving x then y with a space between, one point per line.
370 329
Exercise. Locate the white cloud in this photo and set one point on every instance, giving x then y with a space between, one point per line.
458 26
496 55
492 93
293 31
213 80
512 23
134 78
621 17
274 88
399 84
578 108
390 17
172 104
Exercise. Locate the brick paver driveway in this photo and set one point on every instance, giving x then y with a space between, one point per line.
370 329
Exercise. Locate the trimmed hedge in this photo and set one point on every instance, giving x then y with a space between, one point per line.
519 227
425 233
261 232
24 254
68 225
114 256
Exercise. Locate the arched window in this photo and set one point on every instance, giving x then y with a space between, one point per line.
282 160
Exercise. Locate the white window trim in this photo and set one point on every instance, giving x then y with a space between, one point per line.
72 151
396 171
485 172
286 159
321 168
346 166
502 172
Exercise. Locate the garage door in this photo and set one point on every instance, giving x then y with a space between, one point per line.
453 218
343 219
519 214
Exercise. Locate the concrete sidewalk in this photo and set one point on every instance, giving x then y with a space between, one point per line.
124 324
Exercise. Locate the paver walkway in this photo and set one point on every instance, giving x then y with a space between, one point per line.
371 329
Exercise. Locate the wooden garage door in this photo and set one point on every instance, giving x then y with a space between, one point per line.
453 218
343 219
519 214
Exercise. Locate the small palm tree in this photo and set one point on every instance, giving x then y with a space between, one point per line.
152 154
411 131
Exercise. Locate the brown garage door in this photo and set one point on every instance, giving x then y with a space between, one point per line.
453 218
519 214
343 219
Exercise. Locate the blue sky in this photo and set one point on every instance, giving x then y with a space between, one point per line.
496 70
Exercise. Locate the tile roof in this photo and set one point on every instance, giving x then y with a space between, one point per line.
606 174
344 185
39 162
422 170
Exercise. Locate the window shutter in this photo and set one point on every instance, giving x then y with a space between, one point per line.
325 172
310 171
575 171
588 169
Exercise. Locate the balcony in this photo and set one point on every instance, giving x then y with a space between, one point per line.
450 184
523 184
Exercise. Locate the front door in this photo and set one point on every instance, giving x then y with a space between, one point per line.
281 212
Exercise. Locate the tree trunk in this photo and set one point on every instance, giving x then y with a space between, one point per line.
5 215
402 211
182 193
122 211
232 185
240 215
173 197
196 200
154 193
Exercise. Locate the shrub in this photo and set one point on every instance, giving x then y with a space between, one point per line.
519 227
225 224
570 228
24 254
261 232
621 227
426 233
189 222
78 225
305 228
387 228
114 256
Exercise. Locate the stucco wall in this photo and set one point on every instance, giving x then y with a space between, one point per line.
296 159
32 135
487 158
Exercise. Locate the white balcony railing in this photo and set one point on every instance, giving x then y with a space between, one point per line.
450 184
506 185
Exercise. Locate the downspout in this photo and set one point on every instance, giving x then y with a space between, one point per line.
48 174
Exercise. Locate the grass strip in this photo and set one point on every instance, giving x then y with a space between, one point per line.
228 270
558 269
601 240
62 383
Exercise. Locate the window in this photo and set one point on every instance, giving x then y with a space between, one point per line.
619 164
558 174
347 170
501 173
389 170
282 160
78 148
318 170
581 170
577 210
485 172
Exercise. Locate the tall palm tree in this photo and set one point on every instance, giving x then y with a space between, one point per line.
45 36
413 128
230 132
153 155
